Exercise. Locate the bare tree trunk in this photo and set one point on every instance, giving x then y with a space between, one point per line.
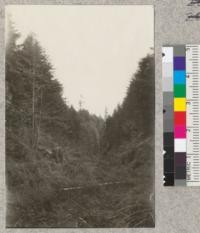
33 100
39 123
33 112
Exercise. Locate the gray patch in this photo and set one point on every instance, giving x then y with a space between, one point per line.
168 98
168 125
179 50
169 111
167 70
180 182
168 85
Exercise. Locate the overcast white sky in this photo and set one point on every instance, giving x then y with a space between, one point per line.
94 49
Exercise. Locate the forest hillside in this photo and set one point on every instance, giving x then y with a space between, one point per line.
70 168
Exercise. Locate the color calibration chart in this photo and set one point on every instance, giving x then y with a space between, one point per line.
181 114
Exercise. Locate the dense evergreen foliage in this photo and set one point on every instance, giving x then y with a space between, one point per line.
51 146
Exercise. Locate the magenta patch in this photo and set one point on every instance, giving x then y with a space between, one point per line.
180 131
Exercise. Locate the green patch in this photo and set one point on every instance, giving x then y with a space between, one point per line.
179 91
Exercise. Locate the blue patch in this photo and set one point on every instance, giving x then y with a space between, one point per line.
179 77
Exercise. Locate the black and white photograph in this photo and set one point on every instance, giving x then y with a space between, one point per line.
80 116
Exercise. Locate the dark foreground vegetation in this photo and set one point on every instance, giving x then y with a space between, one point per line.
68 168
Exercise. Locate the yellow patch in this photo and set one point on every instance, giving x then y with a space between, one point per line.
179 104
